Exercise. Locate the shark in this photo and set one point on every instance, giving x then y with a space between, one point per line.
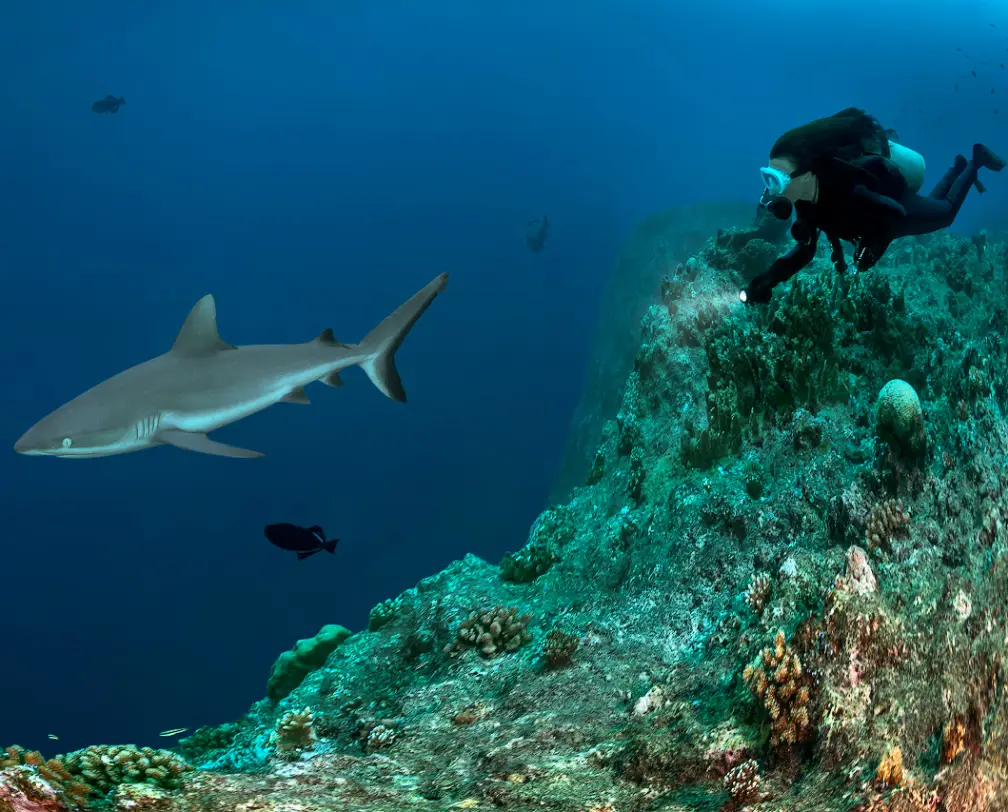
203 383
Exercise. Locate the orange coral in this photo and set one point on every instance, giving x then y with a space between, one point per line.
53 770
890 768
777 678
953 739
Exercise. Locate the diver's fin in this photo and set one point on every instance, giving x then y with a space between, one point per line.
189 441
296 395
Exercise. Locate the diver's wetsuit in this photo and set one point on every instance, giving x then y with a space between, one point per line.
867 202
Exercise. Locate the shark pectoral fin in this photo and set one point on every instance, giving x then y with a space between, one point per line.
296 395
332 379
188 441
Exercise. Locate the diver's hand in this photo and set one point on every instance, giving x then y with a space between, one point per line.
864 257
759 290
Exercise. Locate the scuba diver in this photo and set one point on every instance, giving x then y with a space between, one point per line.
844 176
110 104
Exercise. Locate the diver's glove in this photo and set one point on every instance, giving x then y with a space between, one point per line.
759 290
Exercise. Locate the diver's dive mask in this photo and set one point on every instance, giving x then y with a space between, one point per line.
774 183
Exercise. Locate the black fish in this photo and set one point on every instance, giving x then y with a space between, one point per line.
536 233
974 73
305 541
110 104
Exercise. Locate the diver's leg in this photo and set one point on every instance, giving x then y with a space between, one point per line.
926 214
941 189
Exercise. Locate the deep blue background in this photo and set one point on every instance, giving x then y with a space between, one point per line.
313 168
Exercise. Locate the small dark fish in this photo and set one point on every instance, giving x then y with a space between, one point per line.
536 233
956 86
993 26
110 104
992 91
1002 66
959 50
973 73
304 541
995 111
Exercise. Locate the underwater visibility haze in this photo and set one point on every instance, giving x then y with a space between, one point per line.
665 503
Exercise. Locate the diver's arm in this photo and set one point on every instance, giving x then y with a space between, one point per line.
760 289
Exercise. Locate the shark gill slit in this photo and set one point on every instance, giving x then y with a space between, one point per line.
146 427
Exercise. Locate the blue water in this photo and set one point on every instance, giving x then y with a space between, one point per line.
313 168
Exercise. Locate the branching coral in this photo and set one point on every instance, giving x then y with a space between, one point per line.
295 731
558 648
743 782
777 678
383 613
105 766
758 592
497 631
888 520
53 770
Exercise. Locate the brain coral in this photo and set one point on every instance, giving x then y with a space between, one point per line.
899 418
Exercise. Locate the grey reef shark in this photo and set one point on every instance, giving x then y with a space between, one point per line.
204 383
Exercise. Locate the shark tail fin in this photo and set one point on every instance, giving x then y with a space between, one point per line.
381 343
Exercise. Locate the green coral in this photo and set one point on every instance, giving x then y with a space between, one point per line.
383 613
752 479
308 654
551 531
105 766
524 566
899 417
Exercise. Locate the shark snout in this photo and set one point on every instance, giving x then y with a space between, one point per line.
23 446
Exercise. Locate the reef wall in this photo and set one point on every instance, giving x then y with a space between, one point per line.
784 586
651 252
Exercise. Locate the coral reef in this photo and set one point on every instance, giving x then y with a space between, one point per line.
783 585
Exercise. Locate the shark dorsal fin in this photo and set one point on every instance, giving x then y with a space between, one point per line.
199 335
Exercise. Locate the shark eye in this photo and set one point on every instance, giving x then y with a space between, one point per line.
67 442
